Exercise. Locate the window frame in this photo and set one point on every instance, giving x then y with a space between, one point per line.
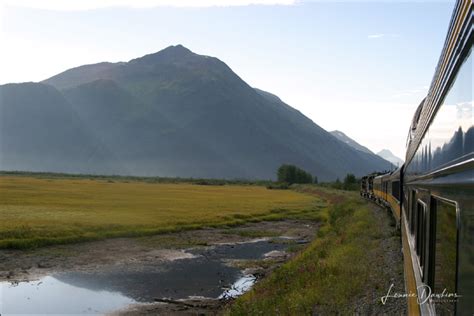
435 198
420 236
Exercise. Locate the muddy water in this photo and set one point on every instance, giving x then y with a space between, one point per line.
113 287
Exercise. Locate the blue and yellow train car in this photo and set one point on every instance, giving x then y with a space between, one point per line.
432 194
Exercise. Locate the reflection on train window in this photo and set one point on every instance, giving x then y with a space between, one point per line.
405 206
451 134
412 212
445 254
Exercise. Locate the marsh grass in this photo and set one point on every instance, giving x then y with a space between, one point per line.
39 211
327 274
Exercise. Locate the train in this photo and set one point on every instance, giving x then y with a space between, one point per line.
431 196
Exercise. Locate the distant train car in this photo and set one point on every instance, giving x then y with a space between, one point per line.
387 188
432 194
367 186
379 188
370 185
394 193
364 186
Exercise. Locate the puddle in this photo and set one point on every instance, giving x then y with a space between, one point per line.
203 273
175 280
52 296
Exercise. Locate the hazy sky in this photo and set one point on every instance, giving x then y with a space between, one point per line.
359 67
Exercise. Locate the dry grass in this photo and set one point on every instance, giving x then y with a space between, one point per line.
42 211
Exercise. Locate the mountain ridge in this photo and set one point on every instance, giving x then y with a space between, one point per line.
349 141
389 156
177 113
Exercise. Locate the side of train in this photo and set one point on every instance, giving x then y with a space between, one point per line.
432 195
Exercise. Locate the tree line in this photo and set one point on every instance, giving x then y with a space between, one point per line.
290 174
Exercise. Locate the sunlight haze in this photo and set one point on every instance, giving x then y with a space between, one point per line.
345 65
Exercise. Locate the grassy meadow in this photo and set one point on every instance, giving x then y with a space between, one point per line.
39 211
329 276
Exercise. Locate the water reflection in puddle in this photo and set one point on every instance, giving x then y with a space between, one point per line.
177 280
115 287
51 296
239 287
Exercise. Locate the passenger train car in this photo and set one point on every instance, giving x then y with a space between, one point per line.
432 194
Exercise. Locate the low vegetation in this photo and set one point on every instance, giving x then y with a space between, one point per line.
39 211
350 183
328 276
118 178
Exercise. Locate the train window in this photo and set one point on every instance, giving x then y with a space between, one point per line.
413 212
445 252
420 236
396 190
406 206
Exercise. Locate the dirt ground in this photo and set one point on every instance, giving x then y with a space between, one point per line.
18 265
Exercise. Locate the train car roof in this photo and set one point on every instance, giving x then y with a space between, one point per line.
397 172
383 176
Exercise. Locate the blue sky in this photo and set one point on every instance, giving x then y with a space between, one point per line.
359 67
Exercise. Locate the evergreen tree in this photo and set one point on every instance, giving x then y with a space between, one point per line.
292 174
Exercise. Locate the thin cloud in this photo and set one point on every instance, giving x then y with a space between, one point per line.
375 36
411 92
81 5
380 35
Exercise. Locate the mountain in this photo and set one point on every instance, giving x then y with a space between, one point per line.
39 132
349 141
171 113
388 155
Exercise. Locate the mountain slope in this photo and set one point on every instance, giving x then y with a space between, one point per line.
177 113
388 155
39 131
79 75
349 141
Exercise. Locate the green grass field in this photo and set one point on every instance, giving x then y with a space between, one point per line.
39 211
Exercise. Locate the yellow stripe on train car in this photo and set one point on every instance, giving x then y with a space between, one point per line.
410 282
394 205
